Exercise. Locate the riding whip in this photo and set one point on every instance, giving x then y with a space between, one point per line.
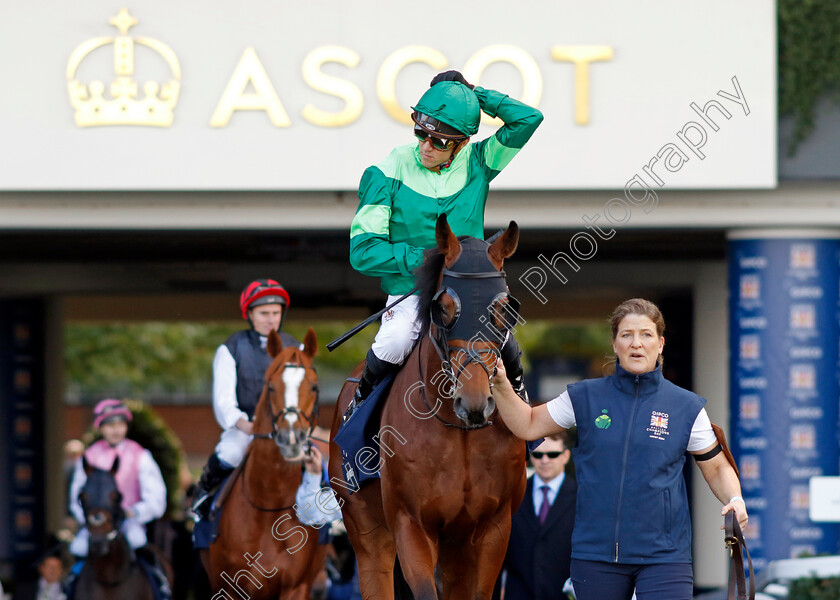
374 317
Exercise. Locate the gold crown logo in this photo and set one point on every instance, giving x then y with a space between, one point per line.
124 107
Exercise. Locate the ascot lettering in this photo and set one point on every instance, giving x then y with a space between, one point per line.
250 88
805 472
809 292
806 412
753 383
812 352
753 323
753 262
757 443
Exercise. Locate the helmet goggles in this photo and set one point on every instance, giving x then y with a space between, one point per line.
442 136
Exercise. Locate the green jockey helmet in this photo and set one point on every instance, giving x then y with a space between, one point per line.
448 109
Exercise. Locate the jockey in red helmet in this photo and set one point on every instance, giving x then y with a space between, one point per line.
238 379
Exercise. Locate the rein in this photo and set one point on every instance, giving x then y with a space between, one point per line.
310 420
110 538
455 382
440 342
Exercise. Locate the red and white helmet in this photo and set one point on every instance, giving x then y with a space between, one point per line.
263 291
108 409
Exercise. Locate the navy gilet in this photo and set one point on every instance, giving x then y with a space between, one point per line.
252 360
633 432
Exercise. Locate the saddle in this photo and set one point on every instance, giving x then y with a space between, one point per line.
206 530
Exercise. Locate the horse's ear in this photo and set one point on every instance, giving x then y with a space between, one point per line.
115 466
310 343
505 246
275 344
447 243
86 466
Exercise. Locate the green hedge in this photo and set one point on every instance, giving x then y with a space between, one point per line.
809 60
815 588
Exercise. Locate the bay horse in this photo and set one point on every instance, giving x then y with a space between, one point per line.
262 548
111 571
454 476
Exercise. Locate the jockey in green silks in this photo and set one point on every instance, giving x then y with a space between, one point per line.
401 197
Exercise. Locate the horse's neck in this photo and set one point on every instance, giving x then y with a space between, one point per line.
114 566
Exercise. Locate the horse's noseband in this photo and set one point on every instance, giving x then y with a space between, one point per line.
285 411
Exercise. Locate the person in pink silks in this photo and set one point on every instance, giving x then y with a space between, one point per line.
138 478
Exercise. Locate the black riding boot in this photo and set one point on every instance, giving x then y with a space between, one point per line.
211 477
511 357
375 371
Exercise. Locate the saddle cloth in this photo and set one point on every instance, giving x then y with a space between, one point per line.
357 432
206 530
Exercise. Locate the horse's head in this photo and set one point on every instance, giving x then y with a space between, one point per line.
101 502
289 403
471 313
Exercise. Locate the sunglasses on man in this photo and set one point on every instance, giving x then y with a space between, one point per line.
552 454
439 143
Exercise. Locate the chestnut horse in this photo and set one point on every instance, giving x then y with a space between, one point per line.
262 548
453 474
111 571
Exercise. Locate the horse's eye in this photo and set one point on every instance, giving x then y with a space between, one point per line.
447 308
504 312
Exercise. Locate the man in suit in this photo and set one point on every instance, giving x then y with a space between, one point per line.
540 548
48 585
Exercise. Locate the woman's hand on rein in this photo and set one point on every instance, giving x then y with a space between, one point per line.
740 512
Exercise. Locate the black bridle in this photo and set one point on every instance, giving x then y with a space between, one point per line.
440 340
439 334
310 419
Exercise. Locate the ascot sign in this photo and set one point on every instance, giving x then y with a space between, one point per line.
276 95
156 107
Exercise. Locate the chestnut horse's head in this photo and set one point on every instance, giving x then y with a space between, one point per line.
101 502
289 402
471 313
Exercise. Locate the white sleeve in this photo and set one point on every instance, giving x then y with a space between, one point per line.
225 404
76 485
560 409
316 506
702 435
152 503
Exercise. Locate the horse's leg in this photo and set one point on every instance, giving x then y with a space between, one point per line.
470 570
418 557
299 592
375 555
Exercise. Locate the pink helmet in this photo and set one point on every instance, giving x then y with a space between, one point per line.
109 408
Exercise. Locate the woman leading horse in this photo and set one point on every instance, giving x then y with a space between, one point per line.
447 493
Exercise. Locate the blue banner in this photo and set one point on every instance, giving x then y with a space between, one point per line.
22 502
784 295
